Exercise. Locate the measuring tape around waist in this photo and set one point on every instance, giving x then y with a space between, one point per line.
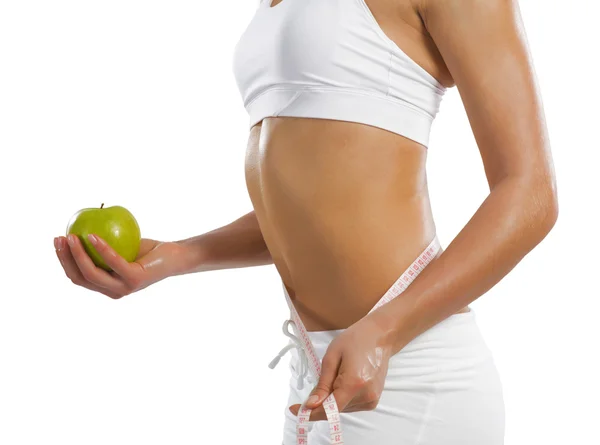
314 363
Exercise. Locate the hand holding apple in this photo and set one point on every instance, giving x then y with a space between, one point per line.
153 260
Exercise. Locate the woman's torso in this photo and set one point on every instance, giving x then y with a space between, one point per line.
344 207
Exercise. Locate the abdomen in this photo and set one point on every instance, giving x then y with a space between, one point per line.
343 208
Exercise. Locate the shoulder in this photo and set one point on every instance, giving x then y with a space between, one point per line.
425 7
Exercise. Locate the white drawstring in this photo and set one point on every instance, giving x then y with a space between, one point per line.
298 345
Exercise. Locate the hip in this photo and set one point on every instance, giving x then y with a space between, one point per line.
442 387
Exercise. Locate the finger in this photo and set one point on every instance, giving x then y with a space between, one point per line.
366 397
369 406
68 263
342 397
90 271
329 371
115 261
72 271
319 412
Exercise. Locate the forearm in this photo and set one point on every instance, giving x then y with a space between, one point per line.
512 220
238 244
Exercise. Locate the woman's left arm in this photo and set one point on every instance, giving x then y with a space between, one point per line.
485 49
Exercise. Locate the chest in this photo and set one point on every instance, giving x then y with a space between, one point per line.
337 42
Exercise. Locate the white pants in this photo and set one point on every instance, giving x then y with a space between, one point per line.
442 388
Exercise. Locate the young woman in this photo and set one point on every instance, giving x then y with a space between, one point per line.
341 95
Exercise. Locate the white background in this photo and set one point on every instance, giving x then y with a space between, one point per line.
134 103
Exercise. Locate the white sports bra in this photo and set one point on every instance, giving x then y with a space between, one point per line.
330 59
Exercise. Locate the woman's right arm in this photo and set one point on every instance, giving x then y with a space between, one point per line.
238 244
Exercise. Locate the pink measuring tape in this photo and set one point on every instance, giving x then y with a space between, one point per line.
314 363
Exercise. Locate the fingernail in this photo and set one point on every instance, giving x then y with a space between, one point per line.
92 238
71 240
312 399
56 243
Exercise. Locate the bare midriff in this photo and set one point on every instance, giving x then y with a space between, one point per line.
344 207
344 210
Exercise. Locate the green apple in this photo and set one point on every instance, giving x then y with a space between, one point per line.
116 225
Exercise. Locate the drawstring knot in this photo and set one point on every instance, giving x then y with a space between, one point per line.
301 353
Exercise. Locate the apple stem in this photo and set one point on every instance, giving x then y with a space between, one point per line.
102 205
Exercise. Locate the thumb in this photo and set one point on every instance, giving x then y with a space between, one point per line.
329 370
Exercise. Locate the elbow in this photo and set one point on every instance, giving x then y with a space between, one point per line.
544 206
550 216
551 204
